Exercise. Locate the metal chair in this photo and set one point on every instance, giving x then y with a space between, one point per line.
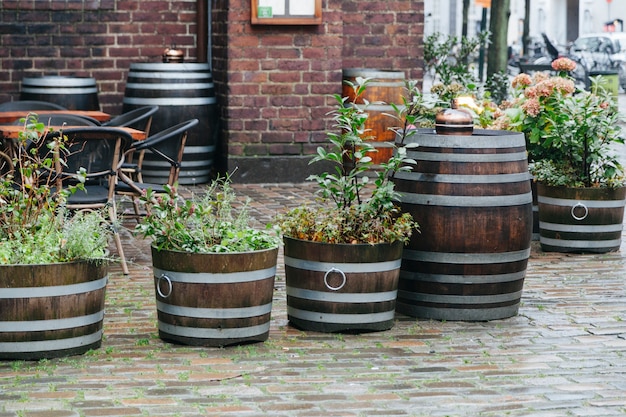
141 119
98 151
58 119
168 146
30 105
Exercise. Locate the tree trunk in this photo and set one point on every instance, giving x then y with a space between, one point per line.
526 31
498 48
466 5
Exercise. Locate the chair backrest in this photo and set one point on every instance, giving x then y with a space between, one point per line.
57 119
29 105
168 145
140 118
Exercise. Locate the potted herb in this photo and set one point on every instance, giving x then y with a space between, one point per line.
53 263
342 256
571 137
213 271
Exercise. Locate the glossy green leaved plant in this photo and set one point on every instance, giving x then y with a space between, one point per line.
353 207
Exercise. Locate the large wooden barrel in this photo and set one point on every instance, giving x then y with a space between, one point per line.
73 93
471 196
341 287
51 310
386 87
182 91
580 219
214 299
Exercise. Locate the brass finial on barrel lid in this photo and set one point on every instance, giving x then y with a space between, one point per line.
455 120
173 55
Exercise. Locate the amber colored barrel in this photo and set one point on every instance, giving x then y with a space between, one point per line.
183 91
214 299
471 196
385 88
50 311
73 93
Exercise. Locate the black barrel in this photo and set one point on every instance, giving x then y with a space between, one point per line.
73 93
182 91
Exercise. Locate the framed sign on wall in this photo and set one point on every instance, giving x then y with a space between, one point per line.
286 12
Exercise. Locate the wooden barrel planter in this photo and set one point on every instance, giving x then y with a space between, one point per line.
471 196
214 299
580 219
73 93
182 91
51 310
341 287
385 88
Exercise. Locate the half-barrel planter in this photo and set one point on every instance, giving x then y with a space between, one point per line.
341 287
51 310
580 219
214 299
471 196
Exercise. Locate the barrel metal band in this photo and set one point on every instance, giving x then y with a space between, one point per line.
345 267
54 290
216 278
214 313
61 90
172 87
580 244
465 179
466 258
52 324
564 202
318 317
460 299
467 157
578 228
335 297
462 279
51 345
222 333
171 101
466 201
472 142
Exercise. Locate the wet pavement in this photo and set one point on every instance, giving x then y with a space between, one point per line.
564 354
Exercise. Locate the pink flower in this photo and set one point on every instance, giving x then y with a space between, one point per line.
521 80
531 107
563 64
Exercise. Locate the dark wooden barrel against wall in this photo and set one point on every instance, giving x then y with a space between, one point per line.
73 93
471 196
386 87
182 91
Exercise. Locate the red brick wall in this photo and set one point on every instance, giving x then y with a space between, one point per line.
272 82
95 38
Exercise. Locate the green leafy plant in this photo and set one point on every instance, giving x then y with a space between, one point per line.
204 223
570 133
35 226
353 208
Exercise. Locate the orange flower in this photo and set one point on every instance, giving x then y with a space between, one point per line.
563 64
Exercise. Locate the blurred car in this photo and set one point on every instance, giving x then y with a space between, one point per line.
602 52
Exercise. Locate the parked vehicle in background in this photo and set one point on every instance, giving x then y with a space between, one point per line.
601 52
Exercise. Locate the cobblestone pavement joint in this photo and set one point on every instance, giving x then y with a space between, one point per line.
564 354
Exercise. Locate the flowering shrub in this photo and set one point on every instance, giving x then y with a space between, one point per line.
569 132
207 223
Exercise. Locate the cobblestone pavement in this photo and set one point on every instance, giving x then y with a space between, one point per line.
563 355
